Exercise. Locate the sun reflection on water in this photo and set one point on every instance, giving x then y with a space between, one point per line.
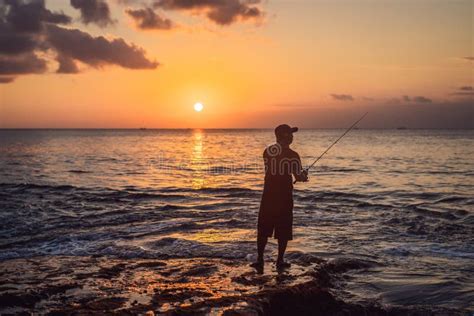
216 235
198 163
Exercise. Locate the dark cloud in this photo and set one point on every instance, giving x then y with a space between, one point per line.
21 23
27 28
466 91
93 11
416 99
67 65
27 16
223 12
6 79
97 51
147 19
469 58
421 99
342 97
23 64
13 43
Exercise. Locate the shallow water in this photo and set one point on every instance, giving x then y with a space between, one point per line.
401 198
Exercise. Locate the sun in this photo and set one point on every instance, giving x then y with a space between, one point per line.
198 107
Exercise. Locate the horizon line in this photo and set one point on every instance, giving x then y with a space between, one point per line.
227 128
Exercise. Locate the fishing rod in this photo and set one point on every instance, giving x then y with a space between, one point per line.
347 131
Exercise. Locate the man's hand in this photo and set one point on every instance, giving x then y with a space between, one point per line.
302 177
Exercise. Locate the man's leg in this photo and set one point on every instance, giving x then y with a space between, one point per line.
282 243
261 243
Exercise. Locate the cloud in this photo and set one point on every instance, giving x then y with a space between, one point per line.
421 99
408 99
28 29
342 97
23 64
147 19
416 99
66 65
28 16
93 11
6 79
470 58
464 91
13 42
222 12
21 25
97 51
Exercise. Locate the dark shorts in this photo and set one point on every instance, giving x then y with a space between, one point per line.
279 230
276 219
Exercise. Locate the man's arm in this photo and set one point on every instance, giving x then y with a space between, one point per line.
265 160
299 173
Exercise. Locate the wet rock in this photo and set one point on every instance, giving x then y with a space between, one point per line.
303 259
301 290
30 298
24 300
61 288
200 270
341 265
112 272
300 300
150 264
107 304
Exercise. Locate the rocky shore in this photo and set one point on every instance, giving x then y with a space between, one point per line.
71 285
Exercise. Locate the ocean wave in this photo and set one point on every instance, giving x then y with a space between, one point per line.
455 198
131 193
19 187
78 171
167 247
433 213
329 169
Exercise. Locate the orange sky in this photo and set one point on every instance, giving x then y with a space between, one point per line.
295 60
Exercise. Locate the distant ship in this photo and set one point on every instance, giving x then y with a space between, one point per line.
143 128
402 128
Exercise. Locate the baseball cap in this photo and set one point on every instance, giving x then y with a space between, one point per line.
285 129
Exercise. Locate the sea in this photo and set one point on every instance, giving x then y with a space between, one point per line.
401 198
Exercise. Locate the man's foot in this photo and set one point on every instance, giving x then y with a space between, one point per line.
282 265
257 264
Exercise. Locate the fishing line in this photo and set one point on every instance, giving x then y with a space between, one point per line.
334 143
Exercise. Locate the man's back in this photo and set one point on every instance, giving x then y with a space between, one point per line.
280 164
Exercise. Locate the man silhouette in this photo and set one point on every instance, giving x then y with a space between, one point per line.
276 208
